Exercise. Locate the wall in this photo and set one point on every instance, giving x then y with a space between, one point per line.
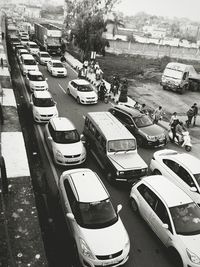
152 50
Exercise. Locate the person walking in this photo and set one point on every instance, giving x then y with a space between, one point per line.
173 122
195 108
158 114
190 115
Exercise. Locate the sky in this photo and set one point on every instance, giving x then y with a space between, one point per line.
168 8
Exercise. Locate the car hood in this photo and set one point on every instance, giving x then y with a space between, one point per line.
192 243
152 130
126 161
105 241
46 110
87 94
71 149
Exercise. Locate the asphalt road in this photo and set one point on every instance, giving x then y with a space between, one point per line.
146 249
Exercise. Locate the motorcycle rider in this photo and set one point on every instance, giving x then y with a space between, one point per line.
173 122
102 91
179 129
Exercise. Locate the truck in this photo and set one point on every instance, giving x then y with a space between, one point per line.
180 77
48 37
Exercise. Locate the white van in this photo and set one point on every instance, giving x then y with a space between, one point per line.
176 77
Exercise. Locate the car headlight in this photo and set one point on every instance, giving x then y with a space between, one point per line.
37 113
144 170
86 250
119 173
193 257
151 138
58 154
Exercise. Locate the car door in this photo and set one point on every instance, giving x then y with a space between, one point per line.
158 221
147 200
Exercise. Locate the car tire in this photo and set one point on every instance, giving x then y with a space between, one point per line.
68 91
134 205
78 100
157 172
139 141
175 257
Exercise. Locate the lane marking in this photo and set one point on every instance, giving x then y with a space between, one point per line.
62 88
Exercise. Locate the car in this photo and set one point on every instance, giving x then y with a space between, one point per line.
43 57
43 106
182 169
35 81
141 126
82 91
18 47
56 68
172 215
99 235
24 39
20 52
27 63
64 142
32 47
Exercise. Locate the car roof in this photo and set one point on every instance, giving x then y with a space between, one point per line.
35 72
27 56
188 161
42 94
168 191
105 121
80 81
62 124
88 186
44 53
31 42
55 61
129 110
23 50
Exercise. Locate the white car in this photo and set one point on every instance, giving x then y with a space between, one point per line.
27 63
182 169
64 142
82 91
24 39
43 57
35 81
95 225
20 52
56 68
43 106
172 215
32 47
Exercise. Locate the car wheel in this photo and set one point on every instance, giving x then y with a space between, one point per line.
175 257
188 148
157 172
68 91
134 205
78 100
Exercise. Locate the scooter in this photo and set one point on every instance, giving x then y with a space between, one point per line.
184 140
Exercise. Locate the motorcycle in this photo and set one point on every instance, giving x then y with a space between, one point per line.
184 140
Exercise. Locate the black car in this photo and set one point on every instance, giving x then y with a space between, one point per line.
141 126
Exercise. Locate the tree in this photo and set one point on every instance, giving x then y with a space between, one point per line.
86 20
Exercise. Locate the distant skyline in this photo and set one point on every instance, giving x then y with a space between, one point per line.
168 8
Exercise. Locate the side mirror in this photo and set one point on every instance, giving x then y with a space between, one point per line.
119 207
165 226
83 138
193 189
46 79
70 216
50 138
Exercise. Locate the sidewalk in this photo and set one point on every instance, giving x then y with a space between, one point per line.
20 235
194 131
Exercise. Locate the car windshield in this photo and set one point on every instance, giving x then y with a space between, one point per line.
36 77
44 55
85 88
143 121
197 177
33 46
57 65
23 38
29 62
43 102
67 137
121 145
176 74
186 219
95 215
